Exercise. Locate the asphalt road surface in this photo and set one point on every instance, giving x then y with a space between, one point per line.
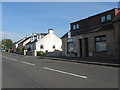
29 72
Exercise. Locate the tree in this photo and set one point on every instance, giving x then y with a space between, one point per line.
0 45
7 43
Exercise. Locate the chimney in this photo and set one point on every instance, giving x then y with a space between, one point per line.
50 31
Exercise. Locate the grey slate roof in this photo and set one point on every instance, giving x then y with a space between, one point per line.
90 30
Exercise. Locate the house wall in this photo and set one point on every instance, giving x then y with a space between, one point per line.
48 41
27 41
110 54
117 38
112 36
22 44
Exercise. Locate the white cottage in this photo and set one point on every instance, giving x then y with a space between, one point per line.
49 43
46 42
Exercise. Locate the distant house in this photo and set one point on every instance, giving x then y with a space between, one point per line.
33 39
46 42
21 43
93 37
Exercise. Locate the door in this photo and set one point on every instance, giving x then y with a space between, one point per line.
86 47
80 45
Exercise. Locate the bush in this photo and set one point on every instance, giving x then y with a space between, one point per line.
40 53
21 49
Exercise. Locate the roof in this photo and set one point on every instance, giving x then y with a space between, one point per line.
117 18
31 42
25 39
95 15
90 30
39 33
95 28
18 41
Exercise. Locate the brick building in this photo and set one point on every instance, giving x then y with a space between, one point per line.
94 37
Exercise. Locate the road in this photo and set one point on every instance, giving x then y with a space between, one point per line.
29 72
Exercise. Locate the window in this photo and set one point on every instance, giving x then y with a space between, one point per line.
109 17
46 50
106 18
38 37
77 26
100 43
41 47
31 39
74 27
53 46
103 19
70 47
35 37
42 36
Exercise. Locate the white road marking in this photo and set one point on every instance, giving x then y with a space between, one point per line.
13 59
27 63
65 72
7 57
20 61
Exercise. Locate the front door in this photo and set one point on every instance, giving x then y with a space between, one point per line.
86 47
80 47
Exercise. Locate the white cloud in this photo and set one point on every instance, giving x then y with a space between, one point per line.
11 35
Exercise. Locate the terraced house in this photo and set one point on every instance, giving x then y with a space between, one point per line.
94 37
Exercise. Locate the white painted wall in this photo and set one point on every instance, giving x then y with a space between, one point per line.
27 41
48 41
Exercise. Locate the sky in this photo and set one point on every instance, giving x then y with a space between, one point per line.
24 18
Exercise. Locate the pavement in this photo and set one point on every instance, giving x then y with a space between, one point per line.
112 63
30 72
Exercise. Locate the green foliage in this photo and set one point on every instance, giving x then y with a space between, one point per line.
7 43
0 45
40 53
21 49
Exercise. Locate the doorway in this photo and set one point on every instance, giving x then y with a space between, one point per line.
86 47
80 45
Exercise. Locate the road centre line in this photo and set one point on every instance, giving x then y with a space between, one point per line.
20 61
80 76
27 63
13 59
7 57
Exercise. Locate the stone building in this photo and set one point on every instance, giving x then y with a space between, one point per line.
94 37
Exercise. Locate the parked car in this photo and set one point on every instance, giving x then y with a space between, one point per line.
2 50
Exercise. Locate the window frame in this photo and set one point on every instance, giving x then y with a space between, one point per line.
41 46
68 51
53 46
101 42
